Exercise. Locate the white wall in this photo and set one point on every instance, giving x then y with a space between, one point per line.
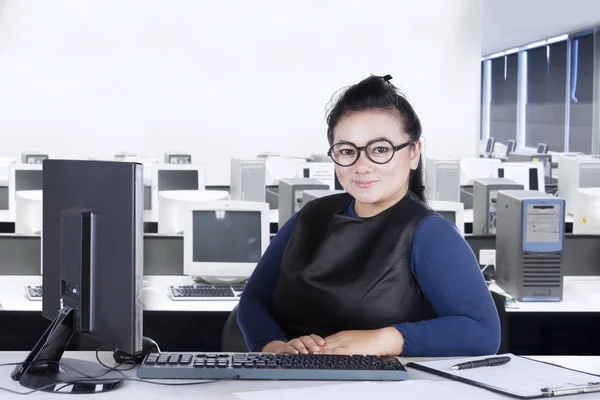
512 23
216 78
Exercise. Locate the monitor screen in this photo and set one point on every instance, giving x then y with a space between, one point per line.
510 147
449 215
147 198
3 198
489 148
528 177
177 179
26 179
226 236
541 149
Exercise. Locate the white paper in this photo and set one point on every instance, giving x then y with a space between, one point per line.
410 389
520 376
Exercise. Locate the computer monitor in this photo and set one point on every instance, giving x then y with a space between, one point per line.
489 147
178 158
542 148
174 177
451 210
33 157
93 271
247 179
122 155
586 218
442 179
574 173
322 171
510 147
22 177
173 204
28 212
528 174
224 240
278 167
476 168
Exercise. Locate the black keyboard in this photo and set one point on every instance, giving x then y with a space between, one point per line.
206 292
34 293
264 366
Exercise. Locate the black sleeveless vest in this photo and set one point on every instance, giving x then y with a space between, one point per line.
342 273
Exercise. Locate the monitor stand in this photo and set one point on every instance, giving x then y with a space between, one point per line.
45 369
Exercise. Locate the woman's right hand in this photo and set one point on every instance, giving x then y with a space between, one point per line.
309 344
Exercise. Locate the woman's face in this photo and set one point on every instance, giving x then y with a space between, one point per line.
375 187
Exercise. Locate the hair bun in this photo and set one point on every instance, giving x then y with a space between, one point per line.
387 78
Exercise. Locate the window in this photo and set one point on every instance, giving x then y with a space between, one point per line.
581 93
546 96
503 108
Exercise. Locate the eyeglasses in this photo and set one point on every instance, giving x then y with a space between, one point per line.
380 151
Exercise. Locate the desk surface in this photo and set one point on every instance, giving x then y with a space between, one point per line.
225 390
156 297
581 294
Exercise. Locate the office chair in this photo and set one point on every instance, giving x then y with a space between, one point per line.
503 316
232 339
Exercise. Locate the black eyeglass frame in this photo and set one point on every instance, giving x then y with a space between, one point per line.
364 148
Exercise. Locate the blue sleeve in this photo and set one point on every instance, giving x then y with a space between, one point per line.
254 310
449 276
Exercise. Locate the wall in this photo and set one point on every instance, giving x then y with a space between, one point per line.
222 78
512 23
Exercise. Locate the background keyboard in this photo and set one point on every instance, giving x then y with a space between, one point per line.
206 292
260 366
34 293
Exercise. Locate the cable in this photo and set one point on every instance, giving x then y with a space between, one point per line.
99 380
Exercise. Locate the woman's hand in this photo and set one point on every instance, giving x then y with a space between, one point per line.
310 344
378 342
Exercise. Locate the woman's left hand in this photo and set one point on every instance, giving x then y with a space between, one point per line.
378 342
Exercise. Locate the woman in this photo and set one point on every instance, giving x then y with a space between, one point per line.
374 270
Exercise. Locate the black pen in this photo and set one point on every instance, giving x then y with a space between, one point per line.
487 362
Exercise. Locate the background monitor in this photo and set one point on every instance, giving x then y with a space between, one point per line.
510 147
174 177
28 212
224 240
528 174
32 157
173 205
22 177
93 270
178 158
542 148
451 210
489 147
4 192
586 218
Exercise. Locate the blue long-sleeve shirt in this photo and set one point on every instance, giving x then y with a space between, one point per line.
447 272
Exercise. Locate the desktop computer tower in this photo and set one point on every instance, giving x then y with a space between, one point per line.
485 196
529 245
442 179
291 195
248 180
177 158
310 195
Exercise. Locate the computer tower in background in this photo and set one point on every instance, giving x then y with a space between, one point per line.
529 245
485 196
248 178
290 195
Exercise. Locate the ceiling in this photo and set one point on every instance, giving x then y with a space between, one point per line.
512 23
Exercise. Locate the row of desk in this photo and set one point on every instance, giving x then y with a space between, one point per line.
580 295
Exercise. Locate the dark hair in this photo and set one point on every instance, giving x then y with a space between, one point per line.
377 93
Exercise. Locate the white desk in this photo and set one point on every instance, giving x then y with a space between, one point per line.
225 390
156 297
580 294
